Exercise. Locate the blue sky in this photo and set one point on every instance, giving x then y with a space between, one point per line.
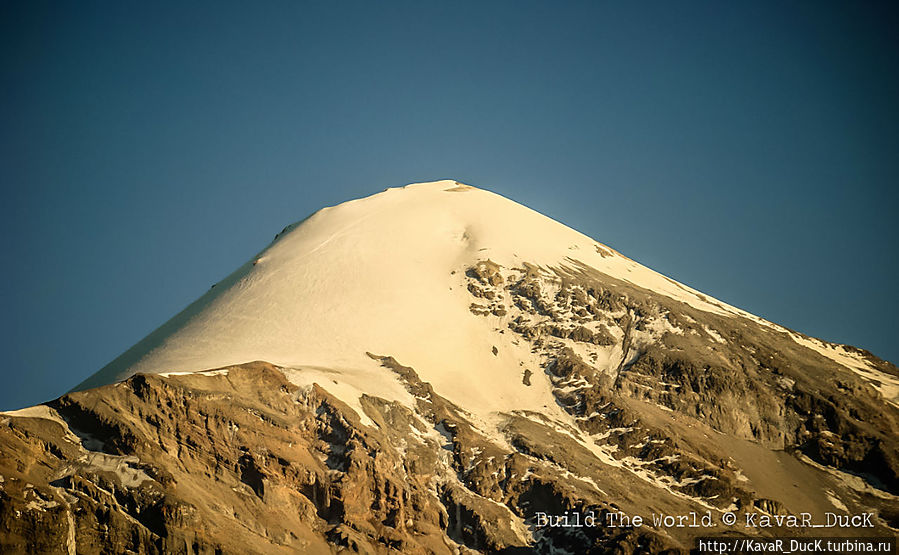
750 150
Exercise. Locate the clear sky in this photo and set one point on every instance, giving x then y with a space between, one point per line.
747 149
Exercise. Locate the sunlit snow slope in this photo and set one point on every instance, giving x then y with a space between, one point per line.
383 275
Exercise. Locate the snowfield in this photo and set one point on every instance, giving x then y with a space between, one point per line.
385 274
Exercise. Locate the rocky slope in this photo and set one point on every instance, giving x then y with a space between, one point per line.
443 400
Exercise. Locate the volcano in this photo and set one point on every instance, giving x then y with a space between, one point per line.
438 369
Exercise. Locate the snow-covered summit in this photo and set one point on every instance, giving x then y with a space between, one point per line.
377 274
384 274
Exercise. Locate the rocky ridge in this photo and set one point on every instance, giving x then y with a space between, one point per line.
672 411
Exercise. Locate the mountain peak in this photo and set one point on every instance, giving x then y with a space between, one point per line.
380 274
390 274
436 369
449 185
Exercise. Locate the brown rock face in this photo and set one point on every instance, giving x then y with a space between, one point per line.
732 373
247 462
